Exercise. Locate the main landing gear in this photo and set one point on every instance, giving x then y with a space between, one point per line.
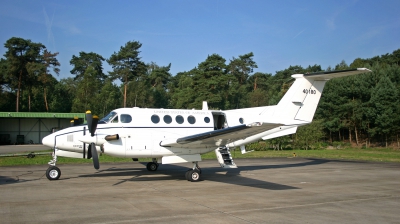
53 172
152 166
193 174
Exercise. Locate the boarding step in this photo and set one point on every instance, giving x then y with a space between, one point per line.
225 158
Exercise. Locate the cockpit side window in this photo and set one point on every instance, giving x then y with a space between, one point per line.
108 118
126 118
115 120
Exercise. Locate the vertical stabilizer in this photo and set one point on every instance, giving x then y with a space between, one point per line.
310 103
292 101
301 100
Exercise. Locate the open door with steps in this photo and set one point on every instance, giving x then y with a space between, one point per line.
225 158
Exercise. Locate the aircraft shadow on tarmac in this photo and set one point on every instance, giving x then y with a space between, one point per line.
168 172
19 177
217 174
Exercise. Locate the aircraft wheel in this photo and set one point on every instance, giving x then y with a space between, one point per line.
187 174
152 166
193 175
53 173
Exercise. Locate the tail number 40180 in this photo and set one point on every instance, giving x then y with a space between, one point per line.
309 91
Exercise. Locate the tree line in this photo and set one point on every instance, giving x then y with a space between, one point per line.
361 110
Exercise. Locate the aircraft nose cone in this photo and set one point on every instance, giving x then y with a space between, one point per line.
48 141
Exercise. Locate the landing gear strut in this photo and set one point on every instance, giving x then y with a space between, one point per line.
53 172
152 166
193 174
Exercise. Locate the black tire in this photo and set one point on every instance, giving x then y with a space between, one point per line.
151 166
187 174
53 173
194 175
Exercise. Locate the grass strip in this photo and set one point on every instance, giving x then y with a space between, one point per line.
373 154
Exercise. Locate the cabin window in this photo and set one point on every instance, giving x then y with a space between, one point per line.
179 119
241 120
207 119
191 119
155 119
126 118
167 119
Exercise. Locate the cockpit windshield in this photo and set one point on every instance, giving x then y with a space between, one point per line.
108 118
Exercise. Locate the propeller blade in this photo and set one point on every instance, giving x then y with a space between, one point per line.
89 152
77 121
92 121
89 120
95 156
95 120
92 125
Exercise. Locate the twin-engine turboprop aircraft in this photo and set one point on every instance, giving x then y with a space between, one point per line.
177 136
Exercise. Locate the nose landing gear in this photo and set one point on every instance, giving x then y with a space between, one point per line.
53 172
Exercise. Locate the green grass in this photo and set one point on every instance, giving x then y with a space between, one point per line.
373 154
44 159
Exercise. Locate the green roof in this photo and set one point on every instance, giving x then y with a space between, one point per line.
41 115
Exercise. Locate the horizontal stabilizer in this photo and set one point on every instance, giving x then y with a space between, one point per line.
336 74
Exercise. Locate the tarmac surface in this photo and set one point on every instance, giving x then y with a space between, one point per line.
274 190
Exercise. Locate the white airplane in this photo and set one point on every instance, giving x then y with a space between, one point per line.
170 136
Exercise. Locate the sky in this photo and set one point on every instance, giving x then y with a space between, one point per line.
185 32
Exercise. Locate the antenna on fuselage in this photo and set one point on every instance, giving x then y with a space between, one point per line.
205 105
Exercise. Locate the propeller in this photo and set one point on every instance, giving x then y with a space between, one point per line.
96 163
92 121
76 121
92 125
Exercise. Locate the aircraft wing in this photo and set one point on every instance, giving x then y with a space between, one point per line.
220 137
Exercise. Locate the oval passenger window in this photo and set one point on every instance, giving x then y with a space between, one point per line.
167 119
179 119
155 119
191 119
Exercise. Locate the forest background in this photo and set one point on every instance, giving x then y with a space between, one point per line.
358 111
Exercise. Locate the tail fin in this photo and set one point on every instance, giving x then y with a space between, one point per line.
301 100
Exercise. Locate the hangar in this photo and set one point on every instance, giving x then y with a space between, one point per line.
31 127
